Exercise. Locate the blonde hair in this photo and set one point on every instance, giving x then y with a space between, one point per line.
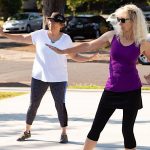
140 30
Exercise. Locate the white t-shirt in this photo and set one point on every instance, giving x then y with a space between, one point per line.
48 65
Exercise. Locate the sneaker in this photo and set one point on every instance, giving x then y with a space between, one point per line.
64 138
24 136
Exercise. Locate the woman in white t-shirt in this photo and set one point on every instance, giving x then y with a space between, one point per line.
49 70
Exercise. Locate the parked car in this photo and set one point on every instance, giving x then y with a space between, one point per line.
143 60
28 21
86 26
112 19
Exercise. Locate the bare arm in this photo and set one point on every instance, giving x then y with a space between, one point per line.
19 38
87 46
80 58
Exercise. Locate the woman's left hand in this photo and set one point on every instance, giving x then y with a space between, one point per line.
94 57
57 50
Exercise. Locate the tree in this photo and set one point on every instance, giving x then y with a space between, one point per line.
9 7
73 4
105 4
50 6
137 2
39 5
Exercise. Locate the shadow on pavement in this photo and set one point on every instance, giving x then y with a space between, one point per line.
11 44
48 118
117 146
44 143
14 84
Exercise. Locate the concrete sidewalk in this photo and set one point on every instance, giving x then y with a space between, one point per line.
81 105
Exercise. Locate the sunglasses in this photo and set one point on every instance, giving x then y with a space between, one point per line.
122 20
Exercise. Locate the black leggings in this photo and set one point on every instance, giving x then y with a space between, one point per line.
38 89
103 115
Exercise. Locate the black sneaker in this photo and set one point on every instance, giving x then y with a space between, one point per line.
24 136
64 138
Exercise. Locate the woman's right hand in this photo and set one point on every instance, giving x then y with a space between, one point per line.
59 51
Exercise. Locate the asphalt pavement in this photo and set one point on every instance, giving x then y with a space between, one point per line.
16 60
16 69
81 105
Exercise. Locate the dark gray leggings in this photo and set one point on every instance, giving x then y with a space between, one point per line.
58 90
103 115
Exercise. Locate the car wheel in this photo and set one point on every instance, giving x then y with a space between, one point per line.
28 29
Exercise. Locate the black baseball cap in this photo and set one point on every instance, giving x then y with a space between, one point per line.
57 17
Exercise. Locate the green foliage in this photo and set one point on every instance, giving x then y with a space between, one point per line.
9 7
73 4
148 2
39 4
104 4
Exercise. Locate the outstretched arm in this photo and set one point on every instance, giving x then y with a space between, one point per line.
87 46
19 37
80 58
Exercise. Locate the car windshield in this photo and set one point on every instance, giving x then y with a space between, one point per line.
19 17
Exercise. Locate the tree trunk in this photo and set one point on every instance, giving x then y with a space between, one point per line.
50 6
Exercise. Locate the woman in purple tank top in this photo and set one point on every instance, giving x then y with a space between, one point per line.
123 87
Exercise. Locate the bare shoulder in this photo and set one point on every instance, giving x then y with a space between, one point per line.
108 36
102 40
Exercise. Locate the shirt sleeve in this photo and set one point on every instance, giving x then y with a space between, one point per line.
35 36
69 42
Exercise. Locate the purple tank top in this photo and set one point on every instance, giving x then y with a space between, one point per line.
123 73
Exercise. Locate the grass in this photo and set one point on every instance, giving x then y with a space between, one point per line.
95 87
10 94
145 88
85 87
4 95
